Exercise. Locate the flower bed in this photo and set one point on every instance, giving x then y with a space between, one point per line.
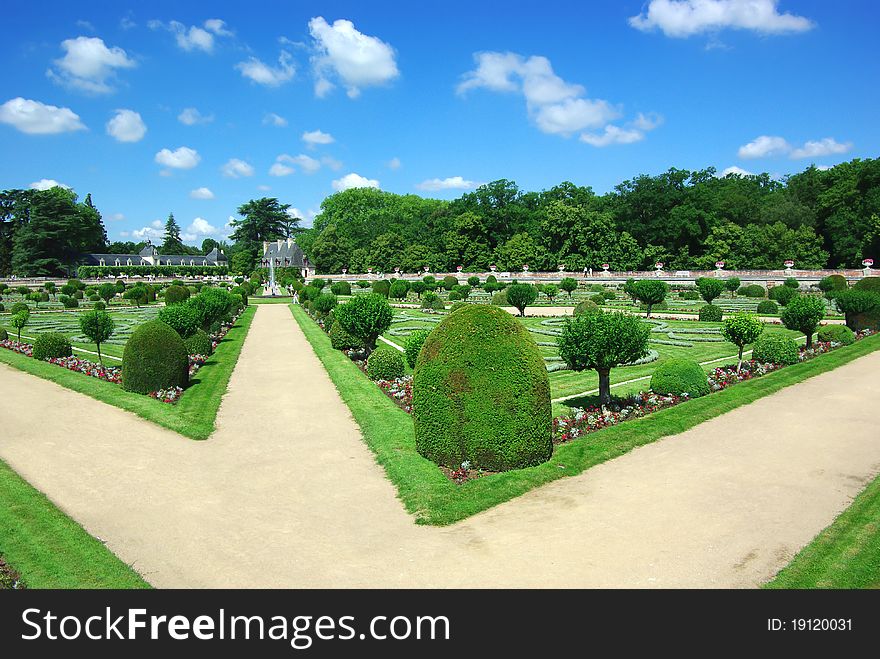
106 373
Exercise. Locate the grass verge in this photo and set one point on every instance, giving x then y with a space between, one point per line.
48 548
434 499
194 414
845 555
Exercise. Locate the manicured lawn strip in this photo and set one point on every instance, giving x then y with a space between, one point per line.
434 499
844 555
270 300
48 548
194 414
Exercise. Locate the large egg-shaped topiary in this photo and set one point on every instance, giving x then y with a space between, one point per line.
154 358
481 393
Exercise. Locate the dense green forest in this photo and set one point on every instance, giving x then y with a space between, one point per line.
687 219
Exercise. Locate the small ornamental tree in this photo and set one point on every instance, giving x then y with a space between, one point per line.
650 292
325 303
449 282
418 287
521 296
832 283
49 287
601 341
399 290
856 304
569 285
473 281
36 298
709 288
19 320
803 314
629 289
67 289
463 291
551 291
791 282
380 287
98 326
137 294
107 291
782 294
365 317
732 285
742 329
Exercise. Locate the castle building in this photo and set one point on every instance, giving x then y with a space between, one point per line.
149 255
285 253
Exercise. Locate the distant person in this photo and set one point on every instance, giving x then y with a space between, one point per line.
591 272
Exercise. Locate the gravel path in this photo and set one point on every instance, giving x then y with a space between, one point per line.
285 493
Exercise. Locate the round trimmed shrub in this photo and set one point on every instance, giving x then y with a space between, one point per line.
241 292
689 295
481 393
783 294
453 296
791 282
711 313
587 306
176 294
449 282
870 284
428 299
774 348
94 298
382 287
51 345
182 318
832 283
413 346
99 305
342 340
680 376
753 290
68 301
154 358
363 284
199 343
499 299
767 307
837 334
324 303
599 299
44 297
79 295
366 317
18 307
385 365
340 288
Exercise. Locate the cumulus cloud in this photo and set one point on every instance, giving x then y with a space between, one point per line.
450 183
354 181
273 119
180 158
685 18
201 193
156 231
89 65
126 126
764 146
191 117
194 37
819 148
280 169
218 27
312 138
235 168
286 164
394 163
38 118
613 135
733 169
355 59
199 228
47 184
264 74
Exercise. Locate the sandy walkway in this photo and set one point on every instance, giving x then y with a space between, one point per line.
283 495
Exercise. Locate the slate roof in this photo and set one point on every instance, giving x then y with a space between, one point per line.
287 255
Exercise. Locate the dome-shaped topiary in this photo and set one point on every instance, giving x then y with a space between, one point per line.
680 376
199 343
385 365
154 358
587 306
837 334
711 313
342 340
767 307
774 348
870 284
175 294
51 345
481 393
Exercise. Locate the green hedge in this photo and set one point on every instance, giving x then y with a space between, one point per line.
767 307
385 365
199 343
91 271
774 348
837 334
51 345
710 313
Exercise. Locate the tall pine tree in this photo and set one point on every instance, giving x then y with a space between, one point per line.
172 244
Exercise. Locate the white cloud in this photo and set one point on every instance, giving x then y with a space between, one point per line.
647 122
819 148
765 146
273 119
218 27
200 228
572 115
280 169
38 118
156 231
88 65
394 163
235 168
283 165
264 74
356 59
613 135
126 126
823 168
314 137
191 117
126 22
181 158
194 37
733 169
354 181
47 184
450 183
124 234
201 193
264 188
684 18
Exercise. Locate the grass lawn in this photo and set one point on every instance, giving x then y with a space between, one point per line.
434 499
48 548
845 555
286 299
194 414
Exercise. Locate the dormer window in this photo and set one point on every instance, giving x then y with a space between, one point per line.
117 262
101 261
128 262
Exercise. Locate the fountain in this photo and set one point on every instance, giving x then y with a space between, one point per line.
272 286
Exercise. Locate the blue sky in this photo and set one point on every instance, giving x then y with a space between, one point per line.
295 100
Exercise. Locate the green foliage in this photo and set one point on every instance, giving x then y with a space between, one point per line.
182 318
4 335
340 288
837 334
586 306
413 346
481 393
453 295
68 302
381 287
499 299
385 365
773 348
680 376
363 284
569 285
51 345
342 340
732 284
136 294
870 284
242 292
67 289
399 289
709 288
18 307
598 299
650 292
199 343
154 358
19 321
308 293
689 295
99 305
213 305
463 291
79 295
428 299
473 281
803 314
457 305
742 329
767 307
782 294
318 283
791 282
753 290
832 283
97 326
325 303
365 317
521 296
711 313
418 287
449 282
